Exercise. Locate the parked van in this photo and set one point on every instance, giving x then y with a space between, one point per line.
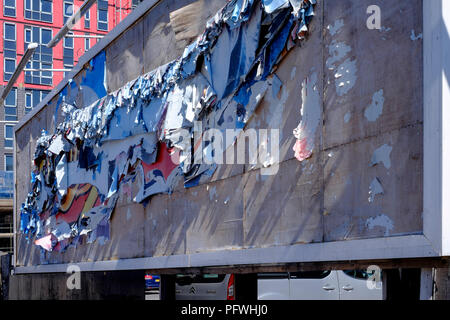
313 285
205 287
321 285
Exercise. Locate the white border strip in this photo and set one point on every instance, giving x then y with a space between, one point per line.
436 186
445 78
415 246
129 20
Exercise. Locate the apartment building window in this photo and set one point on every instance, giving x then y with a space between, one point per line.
87 43
9 136
9 53
68 50
42 58
39 10
68 10
33 98
8 68
102 15
42 95
9 40
87 20
9 8
28 101
11 106
9 162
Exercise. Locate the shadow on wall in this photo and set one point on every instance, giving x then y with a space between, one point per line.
373 121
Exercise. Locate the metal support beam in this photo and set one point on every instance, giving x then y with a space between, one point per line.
87 36
73 20
23 62
50 70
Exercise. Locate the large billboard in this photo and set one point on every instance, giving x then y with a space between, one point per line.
212 133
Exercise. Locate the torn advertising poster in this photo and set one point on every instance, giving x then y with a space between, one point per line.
136 131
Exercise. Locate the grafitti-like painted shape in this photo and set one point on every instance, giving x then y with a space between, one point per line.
78 200
159 176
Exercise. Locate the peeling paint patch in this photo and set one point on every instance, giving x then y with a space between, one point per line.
337 51
334 29
375 188
375 109
345 77
414 37
382 155
381 221
345 73
347 117
311 115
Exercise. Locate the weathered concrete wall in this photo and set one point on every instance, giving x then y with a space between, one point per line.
352 70
387 60
442 285
128 285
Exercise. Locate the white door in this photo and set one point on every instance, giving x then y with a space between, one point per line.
354 285
316 285
273 286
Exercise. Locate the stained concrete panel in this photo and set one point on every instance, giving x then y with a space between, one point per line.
214 215
126 234
188 19
396 208
160 233
159 39
171 26
285 208
373 96
360 63
124 57
93 286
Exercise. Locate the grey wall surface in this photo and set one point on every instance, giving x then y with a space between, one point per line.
128 285
322 199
